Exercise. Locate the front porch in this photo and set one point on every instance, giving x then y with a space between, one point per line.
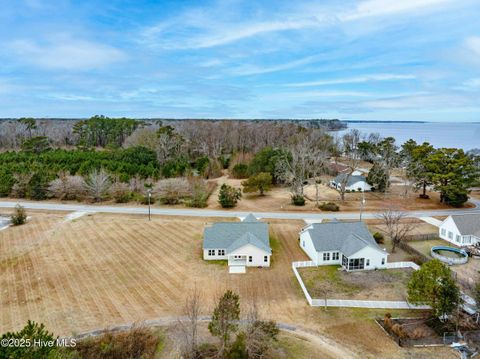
237 264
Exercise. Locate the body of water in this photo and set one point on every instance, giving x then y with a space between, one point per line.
447 134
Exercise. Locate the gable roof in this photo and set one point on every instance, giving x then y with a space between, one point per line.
345 237
468 224
351 180
250 218
233 235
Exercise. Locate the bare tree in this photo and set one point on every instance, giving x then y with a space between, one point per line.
20 188
67 187
397 225
259 334
97 184
188 324
172 190
352 156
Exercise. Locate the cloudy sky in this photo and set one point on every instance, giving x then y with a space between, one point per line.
349 59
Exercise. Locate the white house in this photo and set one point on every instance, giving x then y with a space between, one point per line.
355 183
243 244
461 230
348 244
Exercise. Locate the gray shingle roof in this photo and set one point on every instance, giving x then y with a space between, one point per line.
250 218
468 224
346 237
233 235
351 180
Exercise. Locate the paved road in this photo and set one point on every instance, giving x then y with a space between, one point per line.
223 213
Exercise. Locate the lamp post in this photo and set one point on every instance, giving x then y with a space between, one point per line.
362 203
149 196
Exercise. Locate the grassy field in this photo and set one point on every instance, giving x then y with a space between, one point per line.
103 270
372 285
425 246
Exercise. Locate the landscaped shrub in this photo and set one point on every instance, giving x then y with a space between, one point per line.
19 216
240 170
298 200
329 206
229 196
378 237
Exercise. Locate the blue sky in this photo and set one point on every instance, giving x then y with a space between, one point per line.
369 59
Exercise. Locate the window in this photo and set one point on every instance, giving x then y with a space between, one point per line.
265 259
344 261
383 261
335 256
211 252
356 263
221 252
450 235
444 231
250 259
303 244
368 262
458 238
326 256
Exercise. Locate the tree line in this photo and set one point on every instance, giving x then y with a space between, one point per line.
264 153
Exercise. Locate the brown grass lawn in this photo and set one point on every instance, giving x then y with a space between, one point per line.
425 246
102 270
387 284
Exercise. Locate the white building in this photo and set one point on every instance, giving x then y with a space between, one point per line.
461 230
348 244
243 244
355 183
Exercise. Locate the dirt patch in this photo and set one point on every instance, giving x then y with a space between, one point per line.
362 285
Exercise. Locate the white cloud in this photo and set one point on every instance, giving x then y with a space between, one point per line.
351 80
255 70
371 8
67 54
473 44
197 29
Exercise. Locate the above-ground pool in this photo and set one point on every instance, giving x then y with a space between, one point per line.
449 255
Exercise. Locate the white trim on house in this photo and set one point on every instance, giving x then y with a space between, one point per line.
450 232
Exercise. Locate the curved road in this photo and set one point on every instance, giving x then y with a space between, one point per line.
225 213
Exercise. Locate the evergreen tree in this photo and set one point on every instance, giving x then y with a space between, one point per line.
228 196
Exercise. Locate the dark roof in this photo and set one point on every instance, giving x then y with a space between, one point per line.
468 224
233 235
346 237
351 180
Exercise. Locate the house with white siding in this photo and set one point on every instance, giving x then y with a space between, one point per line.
355 183
349 244
243 244
461 230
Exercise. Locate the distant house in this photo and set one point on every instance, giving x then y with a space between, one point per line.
349 244
243 244
461 230
355 183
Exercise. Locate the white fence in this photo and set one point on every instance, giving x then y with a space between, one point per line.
305 264
379 304
395 265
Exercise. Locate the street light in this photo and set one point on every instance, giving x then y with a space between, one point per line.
149 196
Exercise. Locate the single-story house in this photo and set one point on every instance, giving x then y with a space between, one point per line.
461 229
355 183
349 244
243 244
